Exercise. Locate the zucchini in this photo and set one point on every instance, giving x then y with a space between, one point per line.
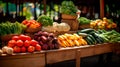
90 41
93 39
82 34
87 31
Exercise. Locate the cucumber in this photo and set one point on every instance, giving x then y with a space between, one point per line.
82 34
99 40
90 40
87 31
93 39
89 43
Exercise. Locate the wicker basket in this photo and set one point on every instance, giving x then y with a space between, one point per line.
32 30
73 24
84 26
67 17
6 38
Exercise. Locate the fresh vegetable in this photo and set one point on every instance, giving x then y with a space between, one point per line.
7 50
16 49
22 44
19 43
61 27
11 28
4 49
69 40
103 24
68 7
31 49
47 40
92 36
111 36
45 20
87 31
84 20
31 23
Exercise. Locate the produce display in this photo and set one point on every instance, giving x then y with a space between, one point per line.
7 50
32 25
57 27
45 37
103 24
70 40
84 20
11 28
45 20
91 36
68 7
47 40
23 43
111 36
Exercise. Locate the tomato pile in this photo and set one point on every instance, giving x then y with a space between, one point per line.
23 43
31 23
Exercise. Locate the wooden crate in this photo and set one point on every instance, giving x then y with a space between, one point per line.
23 60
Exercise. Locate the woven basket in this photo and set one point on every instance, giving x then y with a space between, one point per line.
67 17
6 38
72 23
84 26
32 30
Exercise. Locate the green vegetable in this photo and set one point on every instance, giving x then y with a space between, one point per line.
86 30
68 7
83 20
45 20
11 28
111 36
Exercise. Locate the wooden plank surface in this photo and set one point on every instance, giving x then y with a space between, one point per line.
103 48
28 60
60 55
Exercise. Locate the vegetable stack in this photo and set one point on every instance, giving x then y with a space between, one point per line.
11 28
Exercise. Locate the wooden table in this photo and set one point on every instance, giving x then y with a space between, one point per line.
36 59
63 54
40 59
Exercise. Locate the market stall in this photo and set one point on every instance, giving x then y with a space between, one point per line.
41 41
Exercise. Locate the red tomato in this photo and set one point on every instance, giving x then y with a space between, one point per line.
37 47
32 21
33 42
27 38
27 43
23 49
11 43
19 43
28 24
16 49
22 37
15 38
24 22
31 49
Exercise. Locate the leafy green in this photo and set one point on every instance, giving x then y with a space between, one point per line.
68 7
45 20
83 20
11 28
